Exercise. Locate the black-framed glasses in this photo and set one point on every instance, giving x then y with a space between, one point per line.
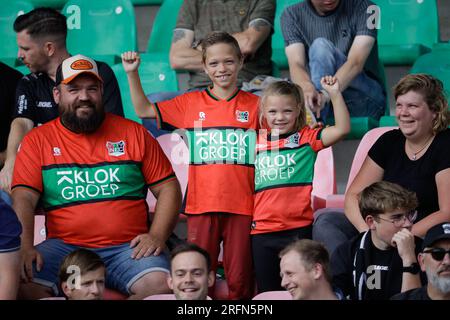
399 220
438 254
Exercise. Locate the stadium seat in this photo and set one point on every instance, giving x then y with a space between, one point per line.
101 29
337 200
111 294
278 54
39 229
324 182
8 14
177 152
273 295
57 4
162 296
409 28
163 25
388 121
436 63
166 296
147 2
156 75
359 126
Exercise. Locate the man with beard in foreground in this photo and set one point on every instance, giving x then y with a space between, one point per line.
435 261
41 39
91 171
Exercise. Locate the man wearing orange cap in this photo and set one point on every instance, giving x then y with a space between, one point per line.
91 170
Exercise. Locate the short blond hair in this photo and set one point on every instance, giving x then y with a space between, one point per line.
311 252
433 93
285 88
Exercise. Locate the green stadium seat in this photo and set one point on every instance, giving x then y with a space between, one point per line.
436 63
358 126
156 75
409 28
163 25
101 29
388 121
441 46
278 54
147 2
57 4
8 14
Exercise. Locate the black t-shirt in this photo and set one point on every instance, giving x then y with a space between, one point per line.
384 261
418 176
9 78
414 294
388 263
34 96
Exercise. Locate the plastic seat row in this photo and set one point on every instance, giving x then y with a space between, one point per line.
89 20
110 26
58 4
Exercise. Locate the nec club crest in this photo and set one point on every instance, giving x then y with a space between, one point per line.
242 116
116 148
292 141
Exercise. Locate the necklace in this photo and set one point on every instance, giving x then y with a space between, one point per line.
414 157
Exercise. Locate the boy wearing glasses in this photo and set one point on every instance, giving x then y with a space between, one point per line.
435 261
381 262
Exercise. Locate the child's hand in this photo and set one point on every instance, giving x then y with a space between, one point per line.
130 61
330 84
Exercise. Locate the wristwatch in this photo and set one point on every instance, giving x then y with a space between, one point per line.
414 268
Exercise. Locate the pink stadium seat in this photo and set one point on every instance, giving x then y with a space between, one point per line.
337 200
111 294
39 229
166 296
273 295
324 182
177 152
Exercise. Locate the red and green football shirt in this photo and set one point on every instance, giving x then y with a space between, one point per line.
221 136
284 171
93 186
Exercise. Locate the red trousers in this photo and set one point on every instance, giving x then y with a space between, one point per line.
208 230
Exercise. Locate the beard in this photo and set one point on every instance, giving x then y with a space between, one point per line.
441 283
88 124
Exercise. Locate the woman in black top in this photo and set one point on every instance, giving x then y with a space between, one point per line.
416 156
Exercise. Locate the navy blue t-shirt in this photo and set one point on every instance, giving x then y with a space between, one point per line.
10 229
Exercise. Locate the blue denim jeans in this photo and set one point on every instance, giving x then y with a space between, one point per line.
364 96
6 197
121 270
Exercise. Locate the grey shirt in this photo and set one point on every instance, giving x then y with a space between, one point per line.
300 23
232 16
